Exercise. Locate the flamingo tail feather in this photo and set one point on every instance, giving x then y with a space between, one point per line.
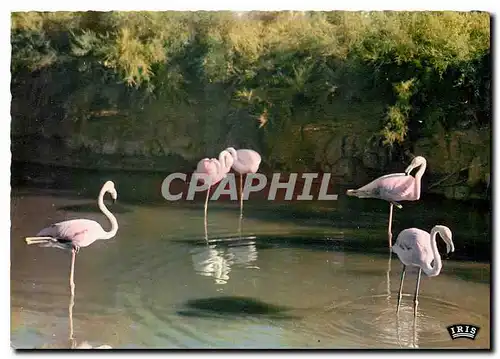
38 240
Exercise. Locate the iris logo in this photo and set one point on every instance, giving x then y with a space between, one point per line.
468 331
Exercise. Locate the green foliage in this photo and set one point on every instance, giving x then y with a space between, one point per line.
263 77
396 125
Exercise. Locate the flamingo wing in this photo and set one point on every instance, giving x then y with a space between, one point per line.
220 173
80 232
374 188
413 247
204 166
210 167
248 161
397 187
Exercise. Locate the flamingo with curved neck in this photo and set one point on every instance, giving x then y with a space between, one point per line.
418 248
421 163
213 171
445 234
100 201
393 188
76 233
245 161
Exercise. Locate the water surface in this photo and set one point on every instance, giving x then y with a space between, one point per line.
288 276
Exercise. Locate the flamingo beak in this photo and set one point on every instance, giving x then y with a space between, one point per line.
450 247
408 169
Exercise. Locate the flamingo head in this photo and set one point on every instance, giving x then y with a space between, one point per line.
447 236
109 186
416 162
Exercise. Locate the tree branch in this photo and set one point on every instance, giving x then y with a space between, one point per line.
452 174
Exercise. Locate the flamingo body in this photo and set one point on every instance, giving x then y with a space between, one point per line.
216 169
73 233
413 248
417 248
245 160
211 167
393 187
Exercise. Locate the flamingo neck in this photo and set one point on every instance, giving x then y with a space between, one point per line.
233 153
418 179
421 171
107 213
226 161
436 269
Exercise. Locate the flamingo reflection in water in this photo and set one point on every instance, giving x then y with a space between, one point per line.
216 262
210 261
404 327
72 342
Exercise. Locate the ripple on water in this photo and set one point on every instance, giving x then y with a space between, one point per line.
157 327
371 322
214 260
155 324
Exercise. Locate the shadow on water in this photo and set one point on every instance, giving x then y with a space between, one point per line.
94 208
364 222
234 307
314 243
270 242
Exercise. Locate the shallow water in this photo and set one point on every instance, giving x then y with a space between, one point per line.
292 282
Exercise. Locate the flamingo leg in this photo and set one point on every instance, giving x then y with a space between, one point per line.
70 317
388 276
72 272
415 298
241 195
401 287
206 206
239 227
74 250
415 332
389 231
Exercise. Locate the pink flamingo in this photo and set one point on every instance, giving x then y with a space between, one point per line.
245 161
213 171
77 233
394 187
418 248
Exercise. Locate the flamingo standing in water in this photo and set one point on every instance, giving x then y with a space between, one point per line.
418 248
245 161
213 171
394 187
77 233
